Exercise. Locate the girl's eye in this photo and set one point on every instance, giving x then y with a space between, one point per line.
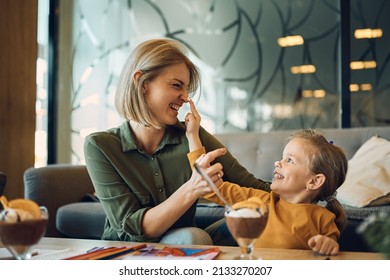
289 160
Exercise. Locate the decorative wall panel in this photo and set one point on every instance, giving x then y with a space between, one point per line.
249 81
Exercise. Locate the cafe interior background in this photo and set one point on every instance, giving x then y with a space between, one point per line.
265 64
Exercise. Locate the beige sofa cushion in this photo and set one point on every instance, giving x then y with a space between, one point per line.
368 178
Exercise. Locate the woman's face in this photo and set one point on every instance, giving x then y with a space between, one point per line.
167 92
292 173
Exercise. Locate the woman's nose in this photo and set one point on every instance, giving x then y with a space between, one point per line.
184 95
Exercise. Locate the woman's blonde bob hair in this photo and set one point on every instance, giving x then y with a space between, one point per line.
150 57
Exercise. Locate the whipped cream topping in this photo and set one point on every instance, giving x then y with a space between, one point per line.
9 216
243 213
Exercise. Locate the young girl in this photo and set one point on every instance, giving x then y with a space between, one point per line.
311 170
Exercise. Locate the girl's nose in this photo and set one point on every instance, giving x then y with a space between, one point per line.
277 163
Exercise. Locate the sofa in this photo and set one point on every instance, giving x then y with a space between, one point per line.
3 182
67 191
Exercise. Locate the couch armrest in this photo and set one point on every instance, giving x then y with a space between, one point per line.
3 181
56 185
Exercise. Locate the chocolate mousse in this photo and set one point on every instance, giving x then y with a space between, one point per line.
245 223
25 233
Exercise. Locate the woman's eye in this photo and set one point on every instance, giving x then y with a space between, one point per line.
178 86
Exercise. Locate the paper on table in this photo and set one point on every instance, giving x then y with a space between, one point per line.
5 254
168 252
56 254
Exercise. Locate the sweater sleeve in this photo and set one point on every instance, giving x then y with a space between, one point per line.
194 155
234 193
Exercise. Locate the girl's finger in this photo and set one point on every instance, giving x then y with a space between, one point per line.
193 109
189 117
208 158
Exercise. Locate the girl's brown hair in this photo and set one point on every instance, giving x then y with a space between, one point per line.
330 160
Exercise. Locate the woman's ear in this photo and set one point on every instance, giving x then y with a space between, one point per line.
316 182
137 74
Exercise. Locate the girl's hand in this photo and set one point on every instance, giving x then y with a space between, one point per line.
323 245
192 120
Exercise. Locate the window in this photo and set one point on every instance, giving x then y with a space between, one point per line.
266 65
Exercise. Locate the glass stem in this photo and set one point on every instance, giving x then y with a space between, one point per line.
246 253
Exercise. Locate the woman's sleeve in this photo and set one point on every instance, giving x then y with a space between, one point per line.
123 210
233 171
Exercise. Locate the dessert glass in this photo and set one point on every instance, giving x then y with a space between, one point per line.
246 226
19 237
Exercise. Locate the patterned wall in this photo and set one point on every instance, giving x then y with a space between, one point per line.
249 82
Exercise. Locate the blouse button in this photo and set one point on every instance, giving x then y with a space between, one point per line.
156 173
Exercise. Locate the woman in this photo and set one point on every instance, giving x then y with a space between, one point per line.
140 170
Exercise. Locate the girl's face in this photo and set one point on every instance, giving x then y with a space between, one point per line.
167 92
292 173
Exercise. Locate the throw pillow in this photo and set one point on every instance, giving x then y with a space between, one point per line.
368 178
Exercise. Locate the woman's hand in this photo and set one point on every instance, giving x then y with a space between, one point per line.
199 186
159 218
323 245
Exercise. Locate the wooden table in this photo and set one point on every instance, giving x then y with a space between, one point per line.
228 253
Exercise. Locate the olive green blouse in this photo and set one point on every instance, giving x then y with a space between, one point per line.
129 181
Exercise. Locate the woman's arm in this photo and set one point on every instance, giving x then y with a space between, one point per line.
161 217
124 206
131 213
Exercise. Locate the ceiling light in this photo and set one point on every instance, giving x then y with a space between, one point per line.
366 87
282 111
361 87
303 69
307 93
368 33
317 93
290 41
358 65
353 87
